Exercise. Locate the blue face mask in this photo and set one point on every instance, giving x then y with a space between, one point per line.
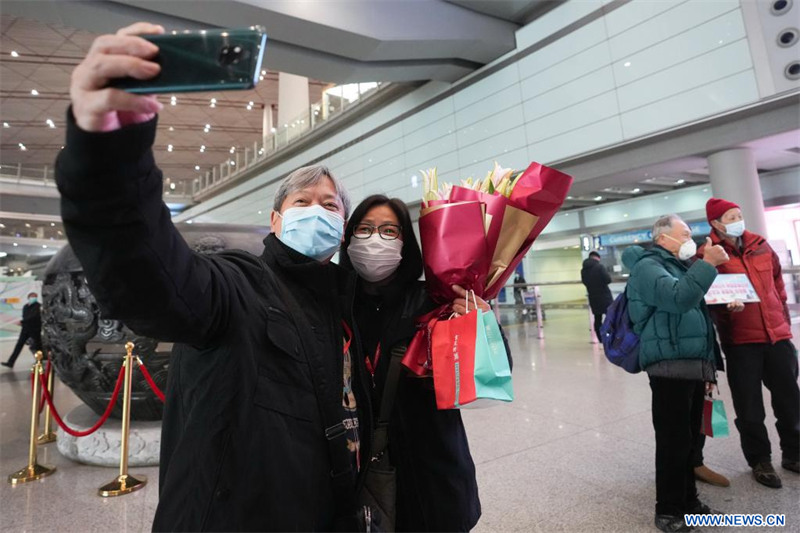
31 300
313 231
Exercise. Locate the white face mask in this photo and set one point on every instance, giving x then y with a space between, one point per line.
374 258
687 250
735 229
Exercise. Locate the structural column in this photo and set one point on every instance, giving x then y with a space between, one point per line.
292 98
734 177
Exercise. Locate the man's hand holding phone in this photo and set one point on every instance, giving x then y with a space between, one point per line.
99 108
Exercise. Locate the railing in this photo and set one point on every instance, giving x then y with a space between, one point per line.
318 114
21 175
331 106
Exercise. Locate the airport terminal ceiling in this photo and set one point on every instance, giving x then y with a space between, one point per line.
331 44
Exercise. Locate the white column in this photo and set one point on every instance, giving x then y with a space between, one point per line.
292 97
266 125
734 177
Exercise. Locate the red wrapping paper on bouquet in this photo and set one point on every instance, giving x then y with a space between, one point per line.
476 239
540 191
454 248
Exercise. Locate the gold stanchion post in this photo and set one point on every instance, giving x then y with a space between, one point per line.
34 470
48 435
125 482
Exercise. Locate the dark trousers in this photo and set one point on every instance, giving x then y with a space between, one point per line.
677 416
598 322
748 365
24 335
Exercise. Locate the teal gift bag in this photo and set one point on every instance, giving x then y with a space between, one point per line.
492 371
715 421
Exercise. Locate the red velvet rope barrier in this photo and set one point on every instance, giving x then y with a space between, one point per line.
103 418
46 377
149 380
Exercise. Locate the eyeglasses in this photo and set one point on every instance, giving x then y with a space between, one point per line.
387 232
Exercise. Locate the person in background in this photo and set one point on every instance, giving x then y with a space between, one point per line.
596 279
436 485
677 349
756 338
31 329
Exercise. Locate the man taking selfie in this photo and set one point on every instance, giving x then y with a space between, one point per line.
255 435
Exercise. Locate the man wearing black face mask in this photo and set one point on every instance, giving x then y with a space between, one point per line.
266 416
31 329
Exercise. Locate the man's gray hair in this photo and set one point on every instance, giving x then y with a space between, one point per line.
307 177
664 225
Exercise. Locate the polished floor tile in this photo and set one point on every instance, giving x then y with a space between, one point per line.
574 452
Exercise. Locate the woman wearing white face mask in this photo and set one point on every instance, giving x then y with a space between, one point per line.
436 485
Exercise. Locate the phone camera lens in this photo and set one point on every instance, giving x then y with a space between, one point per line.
231 55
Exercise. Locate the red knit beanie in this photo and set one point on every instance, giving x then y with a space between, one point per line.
716 207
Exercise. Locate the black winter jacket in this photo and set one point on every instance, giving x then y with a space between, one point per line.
595 276
243 443
32 317
436 485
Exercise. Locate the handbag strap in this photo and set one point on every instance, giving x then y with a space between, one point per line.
380 438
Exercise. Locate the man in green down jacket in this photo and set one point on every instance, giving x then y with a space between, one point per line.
677 350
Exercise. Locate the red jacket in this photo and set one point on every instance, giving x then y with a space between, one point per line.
767 321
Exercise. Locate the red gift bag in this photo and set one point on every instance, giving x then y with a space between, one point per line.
452 345
417 358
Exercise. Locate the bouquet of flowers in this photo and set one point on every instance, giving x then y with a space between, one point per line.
475 234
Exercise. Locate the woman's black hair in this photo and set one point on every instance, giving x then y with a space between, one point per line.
410 268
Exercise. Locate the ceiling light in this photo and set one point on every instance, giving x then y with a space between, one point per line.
14 53
173 100
569 197
3 254
273 130
172 186
27 225
233 149
627 64
598 198
52 224
197 167
169 148
188 221
6 125
2 226
213 102
171 128
22 147
15 244
259 212
261 78
260 151
249 107
232 163
636 190
203 148
60 233
50 123
680 182
263 72
44 246
34 92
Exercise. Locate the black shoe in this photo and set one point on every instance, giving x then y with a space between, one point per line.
9 365
766 475
671 523
788 464
702 508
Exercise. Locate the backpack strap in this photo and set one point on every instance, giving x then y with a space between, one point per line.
342 474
